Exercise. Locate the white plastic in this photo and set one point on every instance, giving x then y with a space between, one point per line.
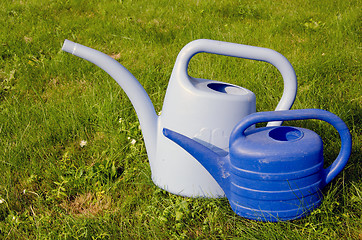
205 109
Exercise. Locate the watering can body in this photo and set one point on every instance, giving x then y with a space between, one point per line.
204 109
275 177
272 173
173 169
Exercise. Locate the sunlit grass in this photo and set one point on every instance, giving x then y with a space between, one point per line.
73 163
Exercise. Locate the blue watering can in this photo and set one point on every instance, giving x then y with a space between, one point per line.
272 173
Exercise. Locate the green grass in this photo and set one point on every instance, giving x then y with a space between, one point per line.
50 101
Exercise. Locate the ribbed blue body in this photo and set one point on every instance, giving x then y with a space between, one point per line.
273 176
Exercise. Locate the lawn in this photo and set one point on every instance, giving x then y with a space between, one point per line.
73 163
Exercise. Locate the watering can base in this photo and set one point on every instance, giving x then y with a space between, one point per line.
274 216
187 191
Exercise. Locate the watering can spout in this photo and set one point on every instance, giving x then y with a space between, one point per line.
218 166
134 90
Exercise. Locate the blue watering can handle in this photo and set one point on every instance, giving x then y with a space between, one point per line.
335 121
247 52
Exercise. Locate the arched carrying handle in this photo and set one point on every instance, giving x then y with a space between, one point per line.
247 52
335 121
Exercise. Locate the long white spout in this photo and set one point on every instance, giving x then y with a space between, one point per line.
134 90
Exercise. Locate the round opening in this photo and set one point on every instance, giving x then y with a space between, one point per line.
285 134
225 88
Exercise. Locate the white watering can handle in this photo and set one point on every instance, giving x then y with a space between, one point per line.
243 51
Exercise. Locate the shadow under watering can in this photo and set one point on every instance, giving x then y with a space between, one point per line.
204 109
272 173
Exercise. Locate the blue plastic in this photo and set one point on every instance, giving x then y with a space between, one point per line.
272 173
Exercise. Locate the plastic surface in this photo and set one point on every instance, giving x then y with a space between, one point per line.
335 121
204 109
240 51
272 173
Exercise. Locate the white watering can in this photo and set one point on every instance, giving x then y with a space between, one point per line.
204 109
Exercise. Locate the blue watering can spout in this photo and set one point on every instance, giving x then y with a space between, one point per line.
218 166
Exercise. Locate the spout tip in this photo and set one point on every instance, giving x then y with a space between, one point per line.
166 132
69 46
